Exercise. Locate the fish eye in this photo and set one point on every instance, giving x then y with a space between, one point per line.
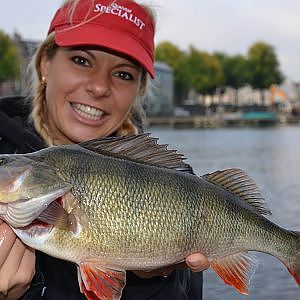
3 161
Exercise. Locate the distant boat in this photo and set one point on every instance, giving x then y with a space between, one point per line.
251 118
260 117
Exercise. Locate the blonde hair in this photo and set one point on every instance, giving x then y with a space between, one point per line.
39 113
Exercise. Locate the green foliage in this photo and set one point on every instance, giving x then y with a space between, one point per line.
169 53
236 70
264 66
9 58
204 73
193 70
201 72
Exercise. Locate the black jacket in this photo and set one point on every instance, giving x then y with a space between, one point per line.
56 279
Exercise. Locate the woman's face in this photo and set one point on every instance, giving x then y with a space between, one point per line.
89 92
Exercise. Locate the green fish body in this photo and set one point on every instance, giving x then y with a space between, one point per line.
121 204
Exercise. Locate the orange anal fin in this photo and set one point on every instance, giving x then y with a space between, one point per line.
98 282
236 270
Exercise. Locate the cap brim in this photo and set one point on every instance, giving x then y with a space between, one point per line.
93 35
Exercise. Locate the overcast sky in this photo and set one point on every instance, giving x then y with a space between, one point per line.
230 26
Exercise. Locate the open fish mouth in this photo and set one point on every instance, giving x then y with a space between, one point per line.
22 213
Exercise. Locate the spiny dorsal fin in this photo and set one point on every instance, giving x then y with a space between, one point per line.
239 183
140 148
236 270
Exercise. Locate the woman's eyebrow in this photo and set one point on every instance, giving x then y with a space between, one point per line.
83 50
128 64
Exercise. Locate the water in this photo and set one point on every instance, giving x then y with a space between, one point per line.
271 156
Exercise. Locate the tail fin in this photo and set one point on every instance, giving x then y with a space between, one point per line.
294 268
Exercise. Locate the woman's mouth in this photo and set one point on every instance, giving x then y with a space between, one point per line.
87 112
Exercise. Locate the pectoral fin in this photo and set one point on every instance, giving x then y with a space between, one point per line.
98 282
236 270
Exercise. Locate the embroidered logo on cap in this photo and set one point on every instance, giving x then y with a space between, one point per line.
120 11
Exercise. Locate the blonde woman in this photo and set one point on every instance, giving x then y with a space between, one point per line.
89 76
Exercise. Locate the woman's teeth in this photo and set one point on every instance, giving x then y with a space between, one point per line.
87 112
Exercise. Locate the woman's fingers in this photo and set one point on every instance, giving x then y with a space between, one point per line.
17 265
197 262
7 239
21 280
26 269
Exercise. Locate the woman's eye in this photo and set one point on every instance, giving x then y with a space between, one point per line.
79 60
124 75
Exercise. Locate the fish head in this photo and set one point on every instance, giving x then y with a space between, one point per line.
22 178
27 187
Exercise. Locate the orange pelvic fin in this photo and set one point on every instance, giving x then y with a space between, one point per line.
98 282
236 270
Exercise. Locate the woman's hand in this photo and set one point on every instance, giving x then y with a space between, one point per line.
17 264
197 262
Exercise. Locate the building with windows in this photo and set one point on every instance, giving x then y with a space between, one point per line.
160 101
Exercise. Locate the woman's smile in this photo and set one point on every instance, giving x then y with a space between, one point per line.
88 112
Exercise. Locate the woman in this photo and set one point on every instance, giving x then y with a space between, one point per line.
89 75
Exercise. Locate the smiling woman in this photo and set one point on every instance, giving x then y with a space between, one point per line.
89 76
89 92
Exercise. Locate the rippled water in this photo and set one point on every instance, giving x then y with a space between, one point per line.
271 156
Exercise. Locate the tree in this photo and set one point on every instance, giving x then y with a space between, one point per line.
169 53
235 69
264 66
10 59
202 71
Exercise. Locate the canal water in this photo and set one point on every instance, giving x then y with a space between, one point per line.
271 156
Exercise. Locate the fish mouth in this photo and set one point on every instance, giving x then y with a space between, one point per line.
22 213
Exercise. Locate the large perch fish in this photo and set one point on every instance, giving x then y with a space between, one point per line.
119 204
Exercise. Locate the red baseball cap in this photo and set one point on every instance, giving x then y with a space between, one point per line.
120 25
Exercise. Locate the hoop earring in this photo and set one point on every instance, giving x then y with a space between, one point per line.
44 81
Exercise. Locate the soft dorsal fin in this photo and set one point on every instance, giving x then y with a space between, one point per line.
239 183
236 270
140 148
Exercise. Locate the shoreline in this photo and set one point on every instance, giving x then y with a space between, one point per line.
223 120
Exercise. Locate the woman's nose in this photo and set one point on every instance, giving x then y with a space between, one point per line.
98 86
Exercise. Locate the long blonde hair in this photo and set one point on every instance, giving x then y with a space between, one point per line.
39 113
